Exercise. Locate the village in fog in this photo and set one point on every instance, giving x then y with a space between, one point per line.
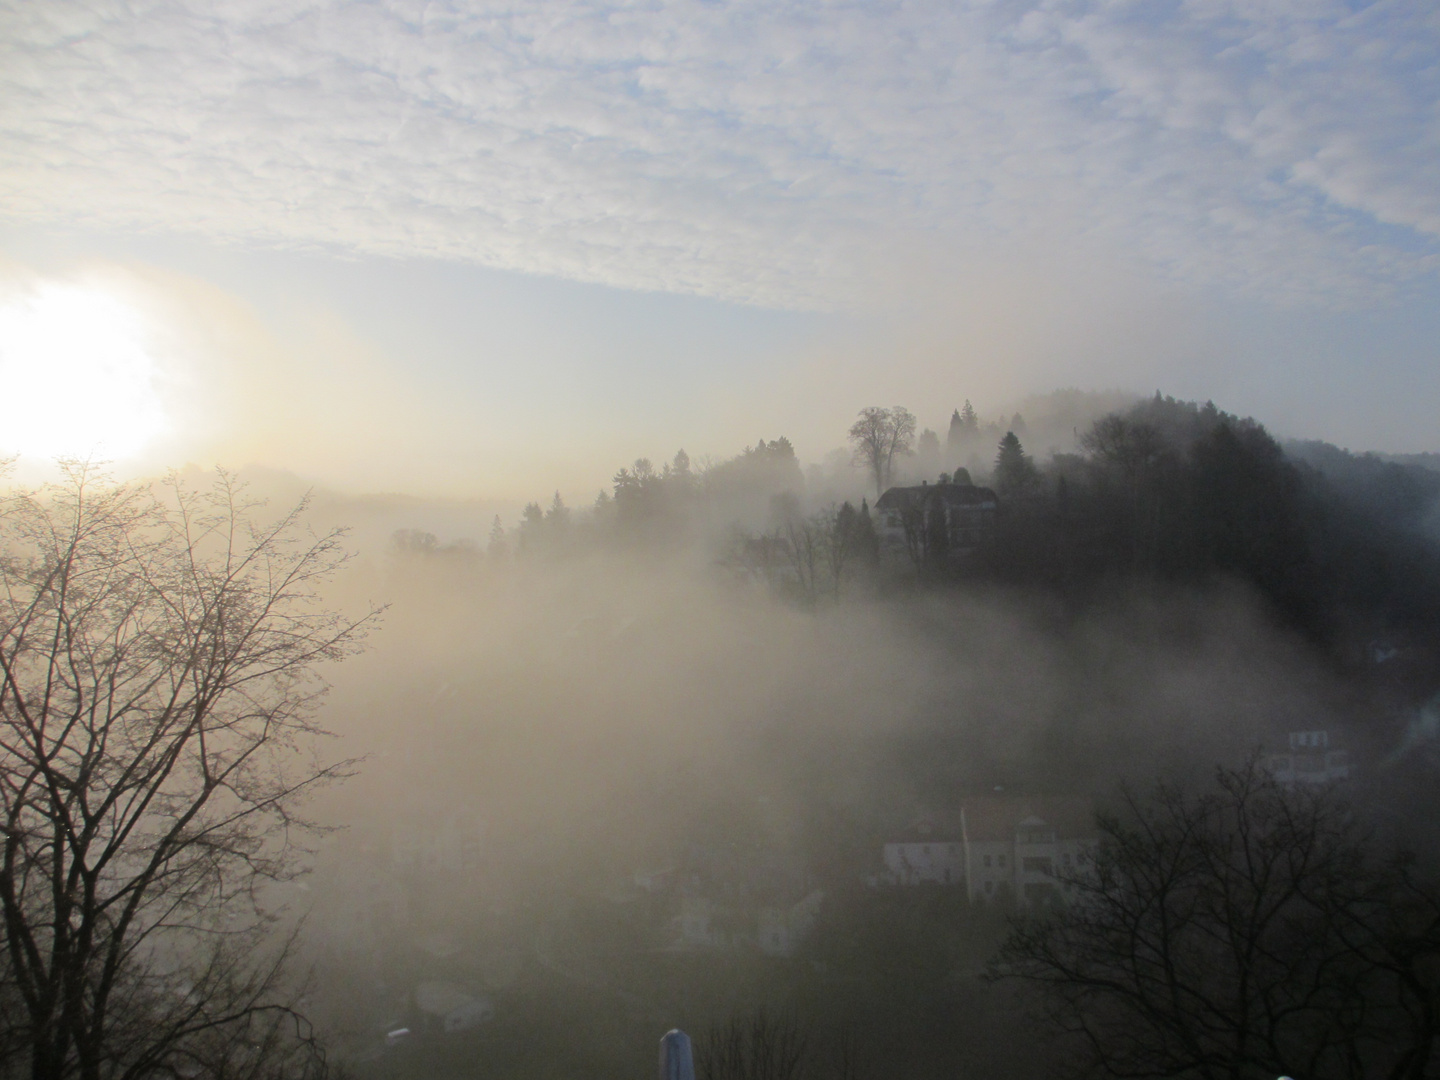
672 759
791 540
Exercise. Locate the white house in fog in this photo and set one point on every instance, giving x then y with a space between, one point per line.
921 859
1310 760
1023 848
1009 847
450 1007
782 930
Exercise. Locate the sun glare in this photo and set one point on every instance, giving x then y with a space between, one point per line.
76 379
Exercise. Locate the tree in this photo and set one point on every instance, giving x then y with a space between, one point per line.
532 527
955 435
866 540
877 436
928 448
841 542
497 547
764 1046
1245 931
1015 473
557 518
1129 446
682 478
159 655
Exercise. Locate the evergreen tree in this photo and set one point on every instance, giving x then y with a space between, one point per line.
498 547
866 540
929 445
532 527
955 436
557 518
969 419
1015 473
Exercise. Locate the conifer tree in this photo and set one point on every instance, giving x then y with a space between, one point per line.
956 435
969 419
867 541
1015 473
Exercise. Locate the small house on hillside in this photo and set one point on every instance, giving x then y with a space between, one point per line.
934 521
1311 759
923 858
450 1007
782 930
1024 846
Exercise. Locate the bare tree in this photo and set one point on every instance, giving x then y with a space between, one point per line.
159 656
838 529
877 436
761 1045
1245 932
806 544
755 1047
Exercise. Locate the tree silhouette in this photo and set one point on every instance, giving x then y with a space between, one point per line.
1015 473
877 436
1244 931
158 689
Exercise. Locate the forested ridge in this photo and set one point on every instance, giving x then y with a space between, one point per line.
1343 546
726 686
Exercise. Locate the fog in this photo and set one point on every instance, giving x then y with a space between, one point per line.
767 496
558 754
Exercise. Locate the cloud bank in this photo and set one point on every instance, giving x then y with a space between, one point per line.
777 153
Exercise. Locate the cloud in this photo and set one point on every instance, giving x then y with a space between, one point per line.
787 154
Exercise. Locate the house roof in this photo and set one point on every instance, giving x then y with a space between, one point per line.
902 498
441 998
999 817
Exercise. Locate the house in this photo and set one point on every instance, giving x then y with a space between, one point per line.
1310 760
921 859
710 924
934 521
450 1007
1024 847
782 930
777 929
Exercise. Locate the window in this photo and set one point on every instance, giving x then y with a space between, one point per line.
987 860
989 886
926 849
1033 865
1001 863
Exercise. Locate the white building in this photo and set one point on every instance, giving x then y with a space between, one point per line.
914 861
782 930
451 1007
1310 760
1024 848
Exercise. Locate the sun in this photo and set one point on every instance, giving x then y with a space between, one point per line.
76 378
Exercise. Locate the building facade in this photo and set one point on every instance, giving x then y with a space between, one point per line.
934 522
1023 849
1311 759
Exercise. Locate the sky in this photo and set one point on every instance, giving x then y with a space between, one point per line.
491 249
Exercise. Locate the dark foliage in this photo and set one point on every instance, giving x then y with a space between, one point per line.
1180 492
1248 931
